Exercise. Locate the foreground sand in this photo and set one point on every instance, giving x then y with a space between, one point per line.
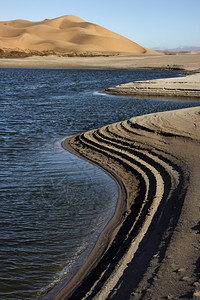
150 249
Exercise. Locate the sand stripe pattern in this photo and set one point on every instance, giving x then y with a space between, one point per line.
179 87
152 190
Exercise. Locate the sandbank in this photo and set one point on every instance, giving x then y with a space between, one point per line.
152 251
180 87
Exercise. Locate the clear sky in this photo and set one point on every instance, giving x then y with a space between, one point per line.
151 23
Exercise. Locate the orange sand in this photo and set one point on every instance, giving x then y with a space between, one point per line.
65 34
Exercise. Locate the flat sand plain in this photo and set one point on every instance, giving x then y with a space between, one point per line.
150 248
183 62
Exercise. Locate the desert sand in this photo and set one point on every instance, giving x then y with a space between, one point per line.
64 35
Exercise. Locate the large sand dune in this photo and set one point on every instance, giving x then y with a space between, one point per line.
65 34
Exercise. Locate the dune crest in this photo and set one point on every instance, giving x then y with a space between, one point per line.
65 34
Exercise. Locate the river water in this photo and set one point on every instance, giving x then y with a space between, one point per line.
53 205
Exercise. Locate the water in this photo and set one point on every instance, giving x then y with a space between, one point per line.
52 204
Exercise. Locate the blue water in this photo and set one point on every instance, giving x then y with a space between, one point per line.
52 204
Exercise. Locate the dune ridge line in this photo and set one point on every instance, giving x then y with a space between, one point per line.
65 34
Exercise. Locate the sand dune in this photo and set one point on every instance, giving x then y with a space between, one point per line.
64 34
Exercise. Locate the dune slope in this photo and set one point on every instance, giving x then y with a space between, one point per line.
64 34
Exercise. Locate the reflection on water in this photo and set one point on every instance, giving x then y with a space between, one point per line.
53 205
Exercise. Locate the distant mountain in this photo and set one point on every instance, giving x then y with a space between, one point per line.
179 49
65 34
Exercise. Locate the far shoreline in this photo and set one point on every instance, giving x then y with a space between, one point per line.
187 63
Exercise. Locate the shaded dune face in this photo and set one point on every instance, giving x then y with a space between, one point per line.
67 33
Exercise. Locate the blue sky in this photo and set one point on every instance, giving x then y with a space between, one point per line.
151 23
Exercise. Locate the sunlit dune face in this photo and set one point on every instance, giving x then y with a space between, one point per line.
67 33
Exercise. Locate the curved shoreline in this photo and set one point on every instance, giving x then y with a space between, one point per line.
106 237
104 240
138 151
